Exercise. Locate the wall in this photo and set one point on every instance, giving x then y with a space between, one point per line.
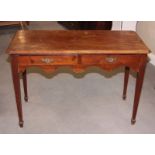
116 25
124 25
146 31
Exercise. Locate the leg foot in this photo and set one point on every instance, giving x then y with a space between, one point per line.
133 121
124 97
26 99
21 124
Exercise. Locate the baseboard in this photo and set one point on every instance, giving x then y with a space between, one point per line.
152 58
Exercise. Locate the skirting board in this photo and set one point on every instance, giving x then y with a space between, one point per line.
152 58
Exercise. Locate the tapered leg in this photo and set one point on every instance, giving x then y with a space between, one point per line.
139 83
126 78
16 82
25 86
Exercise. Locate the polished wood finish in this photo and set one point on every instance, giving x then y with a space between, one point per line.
47 60
112 61
25 86
126 78
138 89
16 82
78 50
36 42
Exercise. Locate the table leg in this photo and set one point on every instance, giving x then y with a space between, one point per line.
25 86
138 89
16 82
126 78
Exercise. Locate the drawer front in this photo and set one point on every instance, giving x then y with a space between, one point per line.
47 60
111 61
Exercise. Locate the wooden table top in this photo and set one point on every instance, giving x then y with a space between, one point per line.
36 42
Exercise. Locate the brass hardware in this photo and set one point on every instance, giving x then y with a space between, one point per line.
110 59
47 60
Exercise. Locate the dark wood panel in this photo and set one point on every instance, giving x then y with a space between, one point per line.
87 25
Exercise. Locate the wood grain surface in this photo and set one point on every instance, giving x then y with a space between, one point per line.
48 42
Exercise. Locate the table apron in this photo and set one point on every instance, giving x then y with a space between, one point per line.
105 61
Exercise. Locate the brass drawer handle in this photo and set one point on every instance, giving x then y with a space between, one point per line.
47 60
110 59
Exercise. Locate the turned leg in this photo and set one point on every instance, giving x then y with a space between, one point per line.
16 83
139 83
25 86
126 78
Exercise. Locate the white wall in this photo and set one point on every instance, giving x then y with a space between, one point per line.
116 25
146 30
124 25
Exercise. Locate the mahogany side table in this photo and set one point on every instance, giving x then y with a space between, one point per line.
78 50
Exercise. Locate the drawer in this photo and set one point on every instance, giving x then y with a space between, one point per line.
113 61
47 60
109 59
